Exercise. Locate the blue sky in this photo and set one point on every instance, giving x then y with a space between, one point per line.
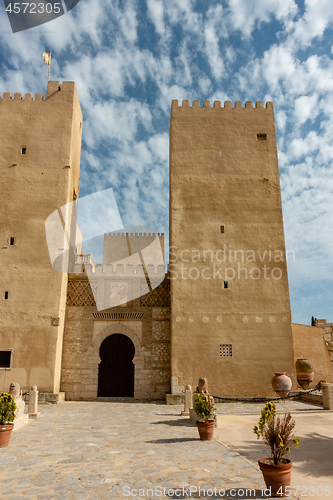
129 59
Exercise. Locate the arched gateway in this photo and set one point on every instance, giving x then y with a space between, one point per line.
118 347
116 369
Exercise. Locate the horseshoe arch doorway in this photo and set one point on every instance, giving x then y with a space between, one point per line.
116 369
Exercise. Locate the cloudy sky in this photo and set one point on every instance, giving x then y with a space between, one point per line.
130 58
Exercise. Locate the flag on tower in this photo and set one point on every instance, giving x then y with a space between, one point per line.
47 58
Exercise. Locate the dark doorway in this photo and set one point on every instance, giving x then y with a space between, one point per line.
116 370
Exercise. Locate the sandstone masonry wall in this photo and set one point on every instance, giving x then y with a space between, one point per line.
145 320
39 169
327 334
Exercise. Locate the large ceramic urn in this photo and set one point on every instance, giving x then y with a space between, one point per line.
305 373
281 384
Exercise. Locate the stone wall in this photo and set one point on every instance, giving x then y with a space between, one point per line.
231 319
309 344
39 168
328 335
144 320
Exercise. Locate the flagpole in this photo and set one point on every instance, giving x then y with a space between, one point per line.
49 69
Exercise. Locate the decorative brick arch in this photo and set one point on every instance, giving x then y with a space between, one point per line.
116 328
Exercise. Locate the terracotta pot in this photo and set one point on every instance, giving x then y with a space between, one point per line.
276 477
281 383
5 433
305 373
206 429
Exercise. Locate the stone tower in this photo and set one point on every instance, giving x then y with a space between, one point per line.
230 307
39 163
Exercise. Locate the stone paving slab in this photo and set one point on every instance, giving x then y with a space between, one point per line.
103 450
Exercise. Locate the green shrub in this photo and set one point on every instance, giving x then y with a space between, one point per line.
204 407
276 432
7 408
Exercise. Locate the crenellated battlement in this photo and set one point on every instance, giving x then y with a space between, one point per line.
217 105
7 96
116 271
117 233
52 88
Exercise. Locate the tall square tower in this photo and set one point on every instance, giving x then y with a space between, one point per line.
39 165
230 306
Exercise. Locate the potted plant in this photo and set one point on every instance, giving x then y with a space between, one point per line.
204 408
277 433
7 415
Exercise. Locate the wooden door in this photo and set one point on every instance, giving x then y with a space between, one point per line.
116 370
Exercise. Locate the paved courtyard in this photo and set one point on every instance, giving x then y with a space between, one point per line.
117 450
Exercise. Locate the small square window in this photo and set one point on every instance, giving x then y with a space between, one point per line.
262 137
24 151
5 358
226 350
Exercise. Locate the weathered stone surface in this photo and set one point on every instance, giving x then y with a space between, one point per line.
84 335
327 391
225 195
328 335
37 186
175 399
309 344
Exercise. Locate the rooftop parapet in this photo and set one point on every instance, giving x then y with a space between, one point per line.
118 233
120 271
52 88
218 105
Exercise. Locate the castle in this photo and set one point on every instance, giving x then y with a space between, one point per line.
124 328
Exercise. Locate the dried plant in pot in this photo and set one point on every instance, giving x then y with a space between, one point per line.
7 416
204 408
277 433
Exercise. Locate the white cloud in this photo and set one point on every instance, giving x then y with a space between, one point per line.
303 146
159 145
279 64
245 14
183 65
317 17
281 120
306 108
128 21
204 85
167 94
156 14
98 214
92 160
177 10
117 120
213 52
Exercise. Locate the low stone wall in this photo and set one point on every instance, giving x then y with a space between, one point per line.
328 335
313 397
309 344
46 397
